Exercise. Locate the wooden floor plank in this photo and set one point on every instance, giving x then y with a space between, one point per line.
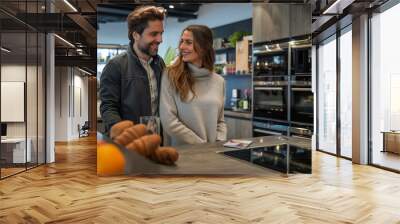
69 191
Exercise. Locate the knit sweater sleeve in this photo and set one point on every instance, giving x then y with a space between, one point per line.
169 115
221 125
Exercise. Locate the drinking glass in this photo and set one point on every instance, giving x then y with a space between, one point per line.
152 124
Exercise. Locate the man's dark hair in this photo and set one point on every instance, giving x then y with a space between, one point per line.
138 19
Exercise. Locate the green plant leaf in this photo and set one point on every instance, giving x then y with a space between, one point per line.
169 55
236 36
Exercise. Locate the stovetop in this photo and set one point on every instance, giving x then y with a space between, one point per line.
275 157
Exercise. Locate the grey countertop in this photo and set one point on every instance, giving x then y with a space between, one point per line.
203 159
238 114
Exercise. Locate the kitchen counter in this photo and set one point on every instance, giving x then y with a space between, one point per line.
237 114
202 159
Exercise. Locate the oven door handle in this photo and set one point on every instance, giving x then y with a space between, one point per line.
268 88
301 89
266 132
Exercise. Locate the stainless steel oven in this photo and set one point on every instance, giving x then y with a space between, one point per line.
269 128
300 59
301 96
270 60
270 99
302 102
301 131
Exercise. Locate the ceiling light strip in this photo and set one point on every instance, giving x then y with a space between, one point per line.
65 41
5 50
70 5
338 6
86 72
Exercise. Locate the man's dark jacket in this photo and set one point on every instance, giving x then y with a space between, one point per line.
124 88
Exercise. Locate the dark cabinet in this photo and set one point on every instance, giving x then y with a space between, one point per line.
238 128
279 21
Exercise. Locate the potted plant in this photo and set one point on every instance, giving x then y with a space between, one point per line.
237 36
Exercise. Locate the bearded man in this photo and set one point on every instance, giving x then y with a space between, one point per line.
130 82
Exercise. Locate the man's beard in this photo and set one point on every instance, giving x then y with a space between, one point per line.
146 49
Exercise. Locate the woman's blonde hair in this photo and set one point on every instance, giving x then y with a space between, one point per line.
179 73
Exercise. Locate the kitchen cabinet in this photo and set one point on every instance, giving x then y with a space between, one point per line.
238 127
279 21
300 19
270 22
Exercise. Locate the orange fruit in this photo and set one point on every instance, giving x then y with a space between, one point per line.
110 160
101 142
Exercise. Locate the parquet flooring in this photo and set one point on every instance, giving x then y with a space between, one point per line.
387 159
10 171
70 192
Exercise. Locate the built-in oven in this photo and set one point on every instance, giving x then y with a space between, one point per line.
270 99
301 131
269 128
302 102
300 59
270 60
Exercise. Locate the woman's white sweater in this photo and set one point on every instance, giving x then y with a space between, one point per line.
199 120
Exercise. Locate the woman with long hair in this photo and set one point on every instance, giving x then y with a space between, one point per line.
192 95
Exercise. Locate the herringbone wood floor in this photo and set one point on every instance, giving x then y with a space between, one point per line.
70 192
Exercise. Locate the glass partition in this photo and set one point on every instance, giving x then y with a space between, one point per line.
41 96
31 98
22 88
14 54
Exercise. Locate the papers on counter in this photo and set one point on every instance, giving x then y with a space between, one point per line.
236 143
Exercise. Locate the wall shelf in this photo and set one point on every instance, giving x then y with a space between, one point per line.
236 75
224 50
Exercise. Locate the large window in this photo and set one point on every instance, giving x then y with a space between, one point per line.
334 58
385 88
327 95
346 92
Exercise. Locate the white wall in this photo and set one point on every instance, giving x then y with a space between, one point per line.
61 103
212 15
81 85
33 127
70 84
12 73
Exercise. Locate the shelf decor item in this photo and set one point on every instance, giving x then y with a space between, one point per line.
242 55
218 43
219 69
220 58
237 36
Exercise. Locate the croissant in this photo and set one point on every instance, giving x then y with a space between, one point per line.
134 137
119 127
165 155
145 145
129 134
